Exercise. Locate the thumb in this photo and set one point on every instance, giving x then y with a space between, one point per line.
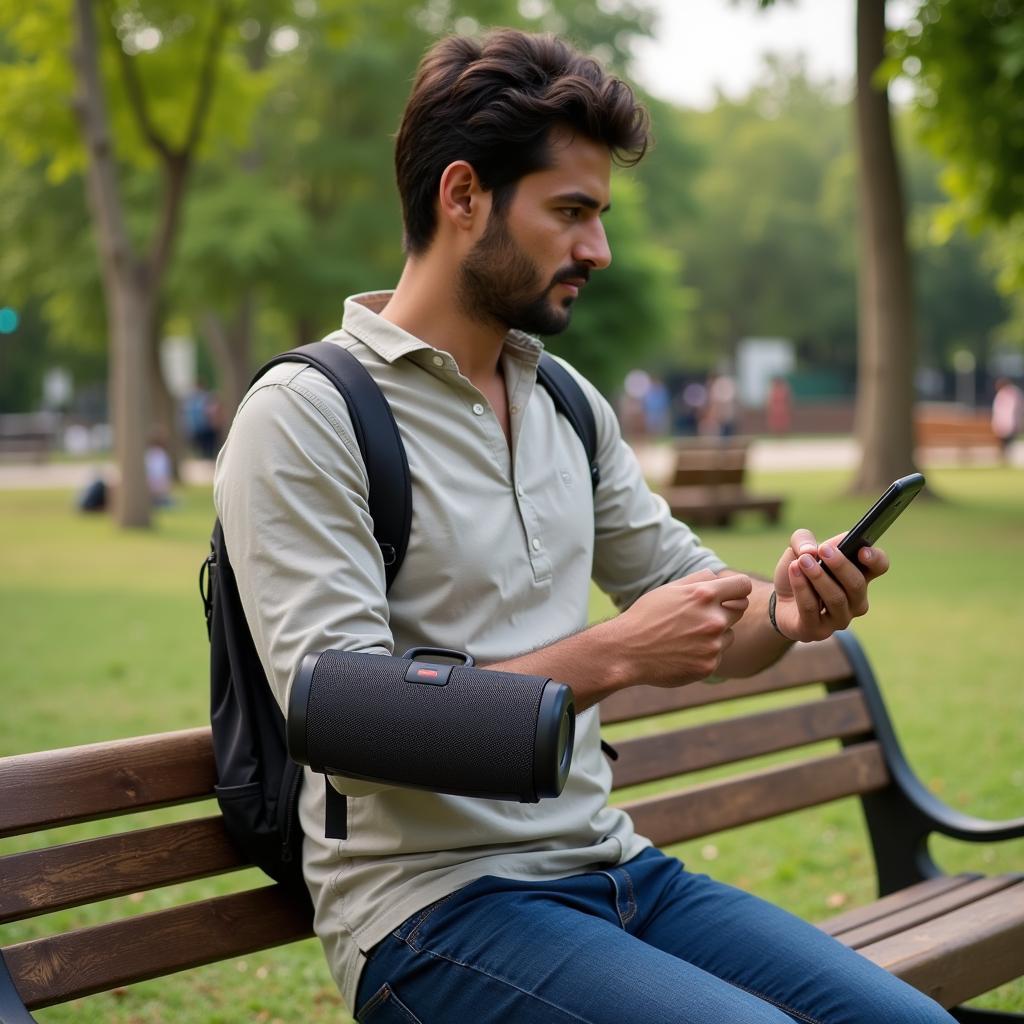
783 586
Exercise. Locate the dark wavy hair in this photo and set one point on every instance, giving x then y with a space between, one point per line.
493 103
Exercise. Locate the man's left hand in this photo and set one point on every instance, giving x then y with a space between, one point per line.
810 604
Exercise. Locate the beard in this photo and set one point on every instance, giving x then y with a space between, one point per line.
500 284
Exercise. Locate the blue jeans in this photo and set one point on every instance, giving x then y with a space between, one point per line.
646 942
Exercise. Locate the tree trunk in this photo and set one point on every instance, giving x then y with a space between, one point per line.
887 344
126 286
164 424
231 348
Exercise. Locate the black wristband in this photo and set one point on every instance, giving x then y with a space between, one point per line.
771 617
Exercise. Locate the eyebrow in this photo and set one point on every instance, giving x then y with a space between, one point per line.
584 200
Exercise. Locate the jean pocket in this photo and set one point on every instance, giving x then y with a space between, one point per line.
384 1007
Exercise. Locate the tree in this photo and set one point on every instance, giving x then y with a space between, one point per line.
143 80
966 62
887 340
323 214
887 344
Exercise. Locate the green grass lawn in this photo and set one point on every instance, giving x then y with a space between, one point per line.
104 637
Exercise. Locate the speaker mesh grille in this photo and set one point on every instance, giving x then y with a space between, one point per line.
474 735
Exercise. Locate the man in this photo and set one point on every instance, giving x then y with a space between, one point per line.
440 908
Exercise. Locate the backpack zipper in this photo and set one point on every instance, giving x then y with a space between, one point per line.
290 813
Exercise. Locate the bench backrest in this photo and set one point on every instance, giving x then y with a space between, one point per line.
100 781
88 783
951 428
837 711
708 465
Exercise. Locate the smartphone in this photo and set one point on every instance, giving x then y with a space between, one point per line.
879 518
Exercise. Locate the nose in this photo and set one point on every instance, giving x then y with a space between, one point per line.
592 246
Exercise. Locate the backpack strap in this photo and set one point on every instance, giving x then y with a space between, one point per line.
387 468
573 405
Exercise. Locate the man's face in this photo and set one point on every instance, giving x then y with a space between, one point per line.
527 268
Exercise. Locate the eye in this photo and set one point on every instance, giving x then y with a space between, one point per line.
571 212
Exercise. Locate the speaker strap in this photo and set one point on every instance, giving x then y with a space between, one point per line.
336 818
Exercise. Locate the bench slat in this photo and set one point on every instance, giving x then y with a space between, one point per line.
926 911
842 715
756 796
60 787
803 665
98 958
895 902
40 881
969 950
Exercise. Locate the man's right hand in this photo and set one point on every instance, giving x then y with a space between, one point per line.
677 633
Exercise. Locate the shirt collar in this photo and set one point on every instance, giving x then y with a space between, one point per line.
362 320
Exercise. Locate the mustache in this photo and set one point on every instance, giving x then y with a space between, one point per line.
577 272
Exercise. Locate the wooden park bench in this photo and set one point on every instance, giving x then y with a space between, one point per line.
962 431
952 936
27 437
708 486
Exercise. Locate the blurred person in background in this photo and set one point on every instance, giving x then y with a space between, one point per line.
1007 414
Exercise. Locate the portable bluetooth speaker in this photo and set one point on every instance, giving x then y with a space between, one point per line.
427 725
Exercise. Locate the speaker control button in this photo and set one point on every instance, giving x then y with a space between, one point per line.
427 672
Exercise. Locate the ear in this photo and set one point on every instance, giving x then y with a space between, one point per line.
462 201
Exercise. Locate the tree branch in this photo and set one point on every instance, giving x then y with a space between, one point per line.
116 251
207 77
178 162
133 88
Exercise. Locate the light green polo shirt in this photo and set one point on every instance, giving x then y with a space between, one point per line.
501 553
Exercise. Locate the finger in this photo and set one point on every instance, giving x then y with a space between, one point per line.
737 604
847 575
803 540
831 592
719 588
703 576
733 588
781 575
808 603
875 562
733 614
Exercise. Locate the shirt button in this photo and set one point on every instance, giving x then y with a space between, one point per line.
478 409
536 544
438 361
515 409
519 490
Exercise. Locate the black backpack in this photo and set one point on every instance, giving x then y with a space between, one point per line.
257 783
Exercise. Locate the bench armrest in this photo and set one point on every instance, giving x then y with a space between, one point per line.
903 816
946 820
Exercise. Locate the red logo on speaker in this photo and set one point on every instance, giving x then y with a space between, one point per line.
426 673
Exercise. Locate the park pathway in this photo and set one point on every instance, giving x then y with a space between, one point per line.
768 454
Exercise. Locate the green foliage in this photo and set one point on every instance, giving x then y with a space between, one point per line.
740 220
966 62
767 247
